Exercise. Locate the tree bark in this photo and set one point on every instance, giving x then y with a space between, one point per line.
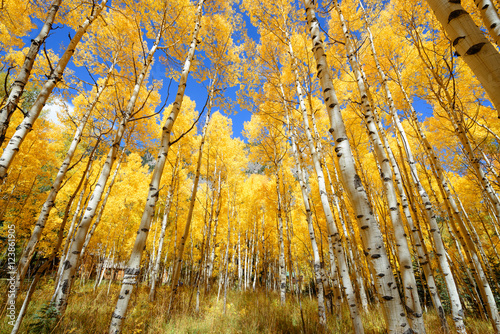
133 266
456 306
371 235
71 264
26 125
17 87
168 204
490 18
471 44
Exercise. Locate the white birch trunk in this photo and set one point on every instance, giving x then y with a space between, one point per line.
64 253
412 301
50 201
132 269
71 264
456 306
422 256
307 207
26 125
373 244
490 18
17 87
282 269
257 255
471 44
164 223
332 228
211 258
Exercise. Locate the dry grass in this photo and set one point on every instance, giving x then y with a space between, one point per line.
246 312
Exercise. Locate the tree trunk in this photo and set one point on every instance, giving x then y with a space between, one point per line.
471 44
71 264
133 265
307 207
281 244
17 87
26 125
168 204
456 306
490 18
412 301
371 235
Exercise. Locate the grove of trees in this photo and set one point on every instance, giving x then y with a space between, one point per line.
368 176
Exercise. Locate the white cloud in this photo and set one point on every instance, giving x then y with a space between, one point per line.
56 109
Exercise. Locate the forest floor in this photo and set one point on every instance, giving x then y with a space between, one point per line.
246 312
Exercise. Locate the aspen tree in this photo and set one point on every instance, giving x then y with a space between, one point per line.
447 102
491 21
347 238
282 269
422 256
258 250
229 216
133 264
17 87
168 204
307 207
29 250
211 257
332 228
471 44
403 253
346 220
209 218
223 274
456 306
371 235
469 246
71 263
26 125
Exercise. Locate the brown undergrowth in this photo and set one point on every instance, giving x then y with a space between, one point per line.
89 311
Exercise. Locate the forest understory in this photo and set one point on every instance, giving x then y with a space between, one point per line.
247 312
359 195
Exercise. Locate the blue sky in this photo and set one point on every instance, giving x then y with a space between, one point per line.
58 39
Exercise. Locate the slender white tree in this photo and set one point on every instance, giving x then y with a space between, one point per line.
133 265
471 44
29 250
17 87
71 263
373 243
26 125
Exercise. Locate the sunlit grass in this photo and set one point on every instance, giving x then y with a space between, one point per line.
90 311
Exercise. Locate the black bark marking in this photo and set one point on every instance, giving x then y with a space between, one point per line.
456 40
456 13
65 287
475 49
67 265
357 181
